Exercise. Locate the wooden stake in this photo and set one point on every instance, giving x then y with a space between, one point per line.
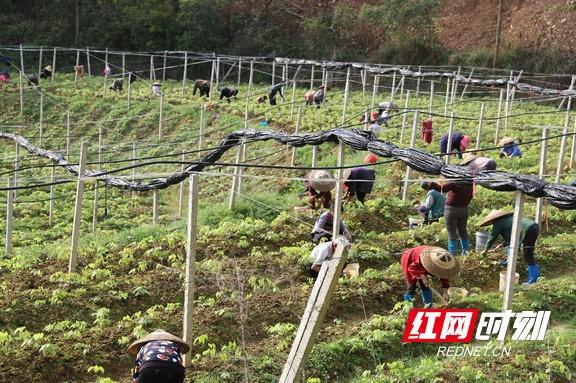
292 102
392 90
239 71
447 97
507 104
418 81
164 66
133 166
51 202
480 123
160 115
339 195
404 117
123 65
105 71
564 139
314 156
412 144
466 85
217 73
212 79
236 179
298 124
431 102
201 129
78 208
375 91
498 116
312 77
345 102
573 147
449 146
96 185
513 251
16 166
541 172
67 133
53 65
185 74
363 76
154 207
129 89
40 62
181 191
189 280
273 72
316 308
152 74
454 87
21 80
402 87
9 216
88 63
41 122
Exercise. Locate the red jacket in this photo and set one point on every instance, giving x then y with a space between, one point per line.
413 268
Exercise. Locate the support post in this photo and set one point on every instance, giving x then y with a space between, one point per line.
78 208
392 91
293 93
454 87
181 190
189 280
449 146
480 123
312 77
563 140
573 147
513 251
236 178
345 102
466 85
16 166
41 122
160 115
152 74
507 104
314 156
447 97
88 62
339 195
53 65
431 102
498 116
212 79
51 202
185 73
217 74
412 143
404 117
21 80
402 86
316 308
154 207
133 166
239 71
96 187
123 65
273 72
9 216
375 91
129 89
418 81
164 66
105 71
40 61
541 172
298 124
201 128
363 75
67 133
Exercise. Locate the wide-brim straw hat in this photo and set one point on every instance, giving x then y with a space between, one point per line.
440 263
49 68
158 335
506 141
468 158
494 215
322 181
156 83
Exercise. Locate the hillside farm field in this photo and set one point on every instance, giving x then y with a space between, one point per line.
251 285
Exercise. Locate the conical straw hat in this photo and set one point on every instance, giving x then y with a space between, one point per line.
322 181
506 141
49 68
439 262
494 215
468 158
158 335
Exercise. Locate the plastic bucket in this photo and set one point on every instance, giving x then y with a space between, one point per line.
413 222
503 280
481 239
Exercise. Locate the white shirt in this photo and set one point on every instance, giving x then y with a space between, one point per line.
321 253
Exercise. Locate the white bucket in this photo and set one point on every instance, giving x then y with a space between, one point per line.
413 222
481 240
503 280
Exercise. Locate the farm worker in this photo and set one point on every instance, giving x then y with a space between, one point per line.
275 89
79 71
477 164
320 253
375 126
456 214
383 118
324 226
158 358
319 96
459 143
318 184
433 207
107 70
421 262
203 86
32 80
501 221
386 106
156 89
359 181
46 72
228 93
509 147
117 85
309 97
4 76
427 131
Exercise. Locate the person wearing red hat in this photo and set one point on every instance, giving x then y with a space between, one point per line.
360 181
159 358
459 143
418 263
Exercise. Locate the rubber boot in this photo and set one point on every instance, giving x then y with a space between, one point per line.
533 274
465 246
426 294
453 246
408 297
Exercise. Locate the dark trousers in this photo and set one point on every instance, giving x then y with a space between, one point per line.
361 196
529 243
161 374
456 218
412 288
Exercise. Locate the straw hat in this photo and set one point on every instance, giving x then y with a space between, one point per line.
439 262
158 335
506 141
322 181
49 68
156 83
468 157
494 215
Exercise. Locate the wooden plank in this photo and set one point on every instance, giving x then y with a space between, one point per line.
513 252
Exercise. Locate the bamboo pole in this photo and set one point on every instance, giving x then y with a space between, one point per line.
53 65
412 144
185 73
96 186
21 80
78 208
9 217
498 116
513 252
51 202
480 123
164 66
154 207
40 62
339 195
297 130
404 117
541 172
88 62
449 145
181 190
